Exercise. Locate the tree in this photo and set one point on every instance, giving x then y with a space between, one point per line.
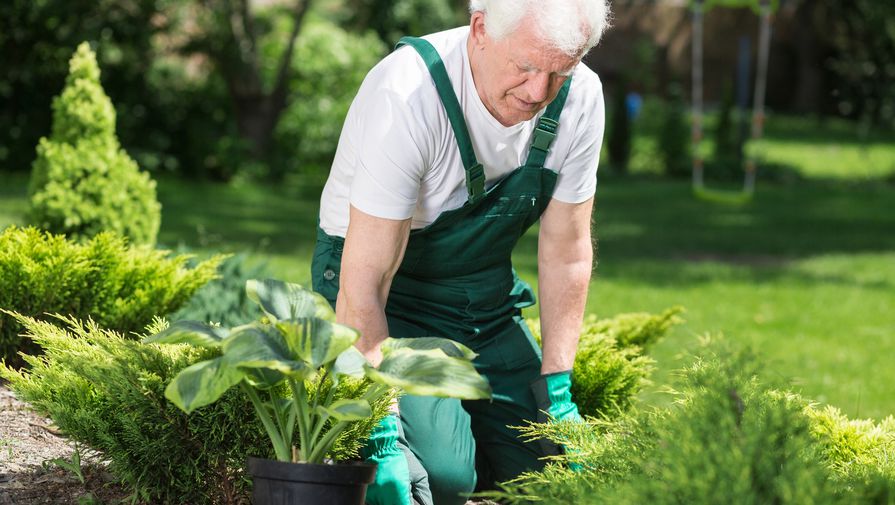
228 35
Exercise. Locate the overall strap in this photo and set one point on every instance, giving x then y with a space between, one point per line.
545 132
475 173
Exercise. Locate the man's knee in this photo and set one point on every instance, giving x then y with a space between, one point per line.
451 482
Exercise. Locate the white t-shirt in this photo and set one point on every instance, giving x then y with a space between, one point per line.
398 158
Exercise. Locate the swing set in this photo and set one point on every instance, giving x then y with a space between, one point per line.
764 8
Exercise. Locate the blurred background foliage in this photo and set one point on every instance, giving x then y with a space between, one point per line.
217 89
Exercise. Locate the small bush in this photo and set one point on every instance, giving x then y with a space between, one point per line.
82 181
674 136
223 300
610 367
107 392
120 286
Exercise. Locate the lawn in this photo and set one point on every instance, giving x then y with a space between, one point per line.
805 272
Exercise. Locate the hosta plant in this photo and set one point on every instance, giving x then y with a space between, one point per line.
298 341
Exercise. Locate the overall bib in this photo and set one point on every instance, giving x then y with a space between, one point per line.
456 281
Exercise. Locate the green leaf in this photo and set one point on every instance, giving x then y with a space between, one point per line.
348 410
282 300
315 341
201 384
190 332
430 373
263 347
448 346
351 363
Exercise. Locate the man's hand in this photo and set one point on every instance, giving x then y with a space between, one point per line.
374 248
553 395
392 483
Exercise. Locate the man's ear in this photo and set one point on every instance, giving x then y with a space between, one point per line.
477 28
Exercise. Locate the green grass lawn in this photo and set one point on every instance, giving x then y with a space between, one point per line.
805 272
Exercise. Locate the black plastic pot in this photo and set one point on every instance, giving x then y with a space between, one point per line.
279 483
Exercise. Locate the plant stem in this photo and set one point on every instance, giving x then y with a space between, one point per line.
280 419
301 414
326 442
280 448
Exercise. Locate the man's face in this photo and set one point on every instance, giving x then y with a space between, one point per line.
518 75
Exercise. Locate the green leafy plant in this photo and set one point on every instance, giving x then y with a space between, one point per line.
120 286
73 465
298 340
82 182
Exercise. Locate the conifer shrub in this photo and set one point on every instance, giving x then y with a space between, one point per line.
610 366
82 181
107 392
860 452
732 436
118 285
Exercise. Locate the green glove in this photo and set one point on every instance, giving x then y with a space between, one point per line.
553 395
392 483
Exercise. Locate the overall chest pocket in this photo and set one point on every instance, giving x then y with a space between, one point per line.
514 205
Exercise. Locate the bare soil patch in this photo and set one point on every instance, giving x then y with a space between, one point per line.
28 444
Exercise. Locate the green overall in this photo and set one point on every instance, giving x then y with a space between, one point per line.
457 281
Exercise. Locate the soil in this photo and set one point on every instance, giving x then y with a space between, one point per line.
28 445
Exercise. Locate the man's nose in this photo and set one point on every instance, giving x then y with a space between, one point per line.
538 87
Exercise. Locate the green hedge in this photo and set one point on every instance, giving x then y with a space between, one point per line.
107 392
119 286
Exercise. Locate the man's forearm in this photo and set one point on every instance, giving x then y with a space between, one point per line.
563 285
365 313
373 251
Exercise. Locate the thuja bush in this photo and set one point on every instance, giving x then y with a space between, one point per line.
118 285
610 366
82 181
732 437
107 392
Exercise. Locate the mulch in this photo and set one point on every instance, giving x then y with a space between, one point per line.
28 445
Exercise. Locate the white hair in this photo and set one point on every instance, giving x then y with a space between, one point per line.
572 26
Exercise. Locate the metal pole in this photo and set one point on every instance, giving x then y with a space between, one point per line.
761 80
696 130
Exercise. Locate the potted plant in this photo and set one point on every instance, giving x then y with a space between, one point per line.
273 359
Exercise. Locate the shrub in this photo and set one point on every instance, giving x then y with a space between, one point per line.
610 367
674 135
224 299
856 450
82 181
120 286
107 392
732 437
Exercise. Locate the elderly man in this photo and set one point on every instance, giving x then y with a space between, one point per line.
454 146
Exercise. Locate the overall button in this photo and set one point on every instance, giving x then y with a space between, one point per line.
329 274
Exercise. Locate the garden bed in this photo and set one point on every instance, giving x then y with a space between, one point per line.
28 443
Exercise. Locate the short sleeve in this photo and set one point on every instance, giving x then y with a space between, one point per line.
577 179
391 157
